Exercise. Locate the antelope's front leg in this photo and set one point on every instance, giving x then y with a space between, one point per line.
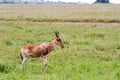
45 62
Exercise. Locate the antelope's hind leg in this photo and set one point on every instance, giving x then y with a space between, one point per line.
24 56
23 62
45 63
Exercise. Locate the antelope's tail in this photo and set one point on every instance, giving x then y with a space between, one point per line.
21 55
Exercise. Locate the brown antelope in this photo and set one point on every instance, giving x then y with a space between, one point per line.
40 50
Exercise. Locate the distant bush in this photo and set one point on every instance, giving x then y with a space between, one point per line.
95 35
8 42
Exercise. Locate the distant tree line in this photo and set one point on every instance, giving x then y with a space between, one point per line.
43 2
20 1
32 2
102 1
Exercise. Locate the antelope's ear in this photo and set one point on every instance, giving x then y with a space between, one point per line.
57 33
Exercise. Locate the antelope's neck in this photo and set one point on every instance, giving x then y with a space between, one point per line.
52 45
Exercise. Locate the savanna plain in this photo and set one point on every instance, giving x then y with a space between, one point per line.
90 33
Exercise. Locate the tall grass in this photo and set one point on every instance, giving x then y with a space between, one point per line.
90 53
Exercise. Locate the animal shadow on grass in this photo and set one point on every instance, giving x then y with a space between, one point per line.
3 69
6 68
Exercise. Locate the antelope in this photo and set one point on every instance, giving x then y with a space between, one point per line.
40 50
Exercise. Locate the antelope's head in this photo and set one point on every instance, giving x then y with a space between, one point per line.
58 40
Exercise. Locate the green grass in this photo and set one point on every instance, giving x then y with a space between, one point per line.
90 53
92 50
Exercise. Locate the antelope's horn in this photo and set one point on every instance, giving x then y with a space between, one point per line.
57 33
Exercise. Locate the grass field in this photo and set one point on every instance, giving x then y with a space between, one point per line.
92 52
61 13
